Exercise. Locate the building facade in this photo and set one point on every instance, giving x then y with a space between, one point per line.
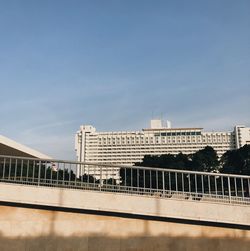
127 148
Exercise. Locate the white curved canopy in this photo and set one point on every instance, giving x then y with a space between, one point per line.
12 148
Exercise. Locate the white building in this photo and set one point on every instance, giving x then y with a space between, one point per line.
130 147
242 135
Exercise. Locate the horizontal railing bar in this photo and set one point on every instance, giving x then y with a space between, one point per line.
128 167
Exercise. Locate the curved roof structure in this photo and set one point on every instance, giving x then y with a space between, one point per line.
12 148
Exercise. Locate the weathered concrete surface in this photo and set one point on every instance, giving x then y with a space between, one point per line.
122 203
35 229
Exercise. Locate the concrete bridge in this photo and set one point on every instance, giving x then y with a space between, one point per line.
46 206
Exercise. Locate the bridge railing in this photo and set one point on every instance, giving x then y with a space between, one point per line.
145 181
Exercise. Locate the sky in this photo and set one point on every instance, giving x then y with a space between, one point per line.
118 64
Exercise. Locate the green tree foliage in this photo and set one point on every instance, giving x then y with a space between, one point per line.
32 171
87 178
169 161
236 161
109 181
205 160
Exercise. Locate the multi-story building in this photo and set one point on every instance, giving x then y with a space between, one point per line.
130 147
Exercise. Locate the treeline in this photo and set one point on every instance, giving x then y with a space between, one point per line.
205 160
32 171
28 171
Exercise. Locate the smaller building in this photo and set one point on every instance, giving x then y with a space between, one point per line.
10 147
242 135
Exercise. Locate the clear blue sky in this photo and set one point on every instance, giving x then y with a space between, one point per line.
116 64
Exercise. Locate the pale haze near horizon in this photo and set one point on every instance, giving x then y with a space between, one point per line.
118 64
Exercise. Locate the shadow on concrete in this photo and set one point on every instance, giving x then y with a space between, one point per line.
157 213
145 241
104 243
54 213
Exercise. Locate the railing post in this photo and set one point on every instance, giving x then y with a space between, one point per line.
144 179
9 170
131 176
33 171
94 174
248 183
57 174
21 175
222 187
229 189
39 173
195 184
202 185
76 171
182 183
169 181
63 179
163 183
4 163
176 183
125 177
235 187
242 188
150 181
189 184
215 186
51 174
156 177
100 178
27 171
138 185
15 170
209 185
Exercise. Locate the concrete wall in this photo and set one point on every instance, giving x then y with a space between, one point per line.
36 229
122 203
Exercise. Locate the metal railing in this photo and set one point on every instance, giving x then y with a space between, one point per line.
145 181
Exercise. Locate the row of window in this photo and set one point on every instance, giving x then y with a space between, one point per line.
141 139
123 142
177 133
136 151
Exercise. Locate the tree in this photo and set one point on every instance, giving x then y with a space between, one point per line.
169 161
236 161
205 160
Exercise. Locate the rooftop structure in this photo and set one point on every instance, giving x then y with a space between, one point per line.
12 148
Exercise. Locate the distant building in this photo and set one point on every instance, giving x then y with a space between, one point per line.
11 148
130 147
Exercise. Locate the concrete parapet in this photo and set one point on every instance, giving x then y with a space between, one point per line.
36 229
202 211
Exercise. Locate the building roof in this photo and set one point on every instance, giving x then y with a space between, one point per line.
12 148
